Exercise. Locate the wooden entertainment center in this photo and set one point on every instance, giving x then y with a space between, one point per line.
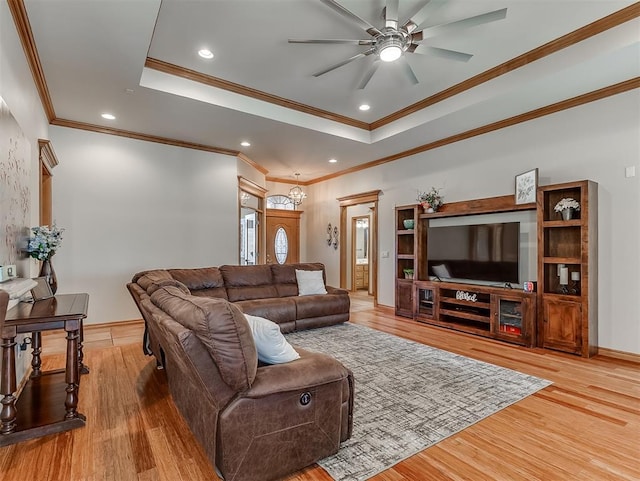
557 316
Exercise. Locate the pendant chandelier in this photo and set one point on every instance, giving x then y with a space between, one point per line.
296 194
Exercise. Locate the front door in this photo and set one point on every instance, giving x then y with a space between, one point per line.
283 236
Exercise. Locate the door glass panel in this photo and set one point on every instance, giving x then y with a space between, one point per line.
281 246
248 237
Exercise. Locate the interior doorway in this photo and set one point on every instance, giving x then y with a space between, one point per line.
368 200
359 254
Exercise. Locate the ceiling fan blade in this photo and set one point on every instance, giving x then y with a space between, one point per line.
344 62
363 24
332 41
409 71
365 80
464 23
442 52
422 13
391 14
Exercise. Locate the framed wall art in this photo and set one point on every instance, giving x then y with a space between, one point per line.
526 186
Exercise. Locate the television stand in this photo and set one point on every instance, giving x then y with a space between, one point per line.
500 313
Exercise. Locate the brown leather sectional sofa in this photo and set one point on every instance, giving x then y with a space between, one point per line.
255 422
269 291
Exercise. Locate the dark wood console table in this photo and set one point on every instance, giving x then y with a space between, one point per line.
49 401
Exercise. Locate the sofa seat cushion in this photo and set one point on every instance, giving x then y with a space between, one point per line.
221 327
243 283
321 305
278 310
205 282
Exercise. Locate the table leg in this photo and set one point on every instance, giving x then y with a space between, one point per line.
72 375
36 361
84 369
8 386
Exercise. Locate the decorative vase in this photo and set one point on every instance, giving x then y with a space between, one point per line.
567 214
47 272
429 210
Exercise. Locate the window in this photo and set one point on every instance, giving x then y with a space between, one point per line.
281 247
279 202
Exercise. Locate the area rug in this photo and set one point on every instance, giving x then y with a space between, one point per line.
408 396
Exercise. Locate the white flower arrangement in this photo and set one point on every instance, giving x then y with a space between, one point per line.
567 203
45 242
431 198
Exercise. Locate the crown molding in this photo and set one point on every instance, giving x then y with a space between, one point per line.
572 38
599 94
138 136
289 181
216 82
23 27
252 163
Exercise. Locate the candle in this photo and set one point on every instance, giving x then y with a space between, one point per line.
564 276
575 276
560 266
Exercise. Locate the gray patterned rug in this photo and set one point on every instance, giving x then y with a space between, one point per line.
408 396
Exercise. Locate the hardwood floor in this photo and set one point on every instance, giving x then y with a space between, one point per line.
586 426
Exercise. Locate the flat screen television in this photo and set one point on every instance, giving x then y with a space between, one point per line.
480 252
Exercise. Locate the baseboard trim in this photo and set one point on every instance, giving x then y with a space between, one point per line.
128 322
623 355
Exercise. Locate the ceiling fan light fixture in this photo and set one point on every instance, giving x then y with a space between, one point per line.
390 53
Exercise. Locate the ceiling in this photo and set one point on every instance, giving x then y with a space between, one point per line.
137 59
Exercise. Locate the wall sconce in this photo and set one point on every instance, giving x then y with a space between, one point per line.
332 236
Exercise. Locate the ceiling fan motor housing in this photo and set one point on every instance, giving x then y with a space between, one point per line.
389 38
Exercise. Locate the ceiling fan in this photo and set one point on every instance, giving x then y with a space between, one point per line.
394 39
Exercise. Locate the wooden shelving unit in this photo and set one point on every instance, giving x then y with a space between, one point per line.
558 316
405 256
494 312
567 313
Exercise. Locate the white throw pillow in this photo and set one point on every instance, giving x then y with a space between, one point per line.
271 345
310 283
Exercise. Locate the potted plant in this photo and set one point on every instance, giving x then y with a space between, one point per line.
408 273
42 246
567 207
431 200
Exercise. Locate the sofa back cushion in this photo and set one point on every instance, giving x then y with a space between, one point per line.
146 279
248 282
206 281
221 327
285 280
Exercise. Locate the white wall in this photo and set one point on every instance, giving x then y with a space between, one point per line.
18 91
129 205
595 141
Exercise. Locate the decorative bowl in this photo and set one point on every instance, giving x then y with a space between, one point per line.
408 223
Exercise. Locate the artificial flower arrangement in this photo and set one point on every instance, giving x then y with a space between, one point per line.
567 203
45 242
431 199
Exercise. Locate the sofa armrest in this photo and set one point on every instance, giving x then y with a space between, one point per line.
312 369
336 291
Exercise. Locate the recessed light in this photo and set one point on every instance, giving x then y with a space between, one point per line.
108 116
244 143
364 107
333 161
205 53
